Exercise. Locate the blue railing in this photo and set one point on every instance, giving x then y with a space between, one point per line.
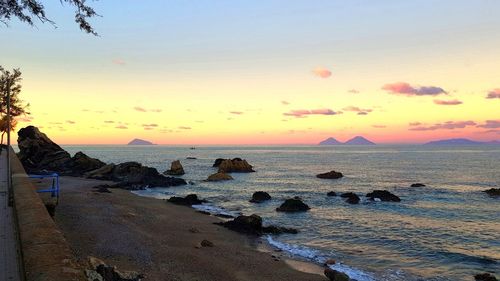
54 189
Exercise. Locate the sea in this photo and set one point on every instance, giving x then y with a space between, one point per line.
447 230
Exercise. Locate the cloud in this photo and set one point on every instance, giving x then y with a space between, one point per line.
109 122
184 128
300 113
118 62
121 127
353 91
284 102
450 125
490 124
448 102
493 131
322 72
140 109
415 124
379 126
403 88
70 122
494 94
360 111
150 125
236 112
156 110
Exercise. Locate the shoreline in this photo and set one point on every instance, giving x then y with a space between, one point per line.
158 239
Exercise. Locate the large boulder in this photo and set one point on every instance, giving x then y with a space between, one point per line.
217 162
253 225
492 191
219 177
189 200
176 169
81 163
383 195
417 185
330 175
485 277
293 205
260 196
352 198
236 165
334 275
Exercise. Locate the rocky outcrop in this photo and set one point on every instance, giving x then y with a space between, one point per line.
293 205
492 191
383 195
352 198
39 154
330 175
189 200
260 196
417 185
485 277
102 272
176 169
253 225
334 275
331 193
219 177
217 162
236 165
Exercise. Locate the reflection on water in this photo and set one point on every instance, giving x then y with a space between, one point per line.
448 230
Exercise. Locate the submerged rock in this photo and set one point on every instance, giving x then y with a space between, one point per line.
352 198
176 169
330 175
260 196
293 205
493 191
253 225
485 277
219 177
383 195
191 199
417 185
334 275
331 193
278 230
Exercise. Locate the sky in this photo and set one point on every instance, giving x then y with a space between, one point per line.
262 72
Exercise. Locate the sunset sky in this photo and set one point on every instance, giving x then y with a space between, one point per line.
262 72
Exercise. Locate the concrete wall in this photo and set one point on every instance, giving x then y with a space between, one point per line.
45 253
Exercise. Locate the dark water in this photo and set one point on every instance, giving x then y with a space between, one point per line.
448 230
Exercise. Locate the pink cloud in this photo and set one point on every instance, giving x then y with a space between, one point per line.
415 124
284 102
379 126
140 109
322 72
118 62
490 124
121 127
450 125
300 113
236 112
353 91
494 94
448 102
403 88
360 111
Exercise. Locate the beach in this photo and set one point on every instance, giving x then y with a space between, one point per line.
162 240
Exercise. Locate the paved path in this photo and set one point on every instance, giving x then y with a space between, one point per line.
9 269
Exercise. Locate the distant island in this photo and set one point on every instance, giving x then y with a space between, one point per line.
358 140
140 142
461 141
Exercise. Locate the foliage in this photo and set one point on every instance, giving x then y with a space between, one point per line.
28 10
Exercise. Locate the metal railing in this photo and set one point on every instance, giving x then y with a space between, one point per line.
54 189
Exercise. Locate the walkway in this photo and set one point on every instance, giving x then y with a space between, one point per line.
9 269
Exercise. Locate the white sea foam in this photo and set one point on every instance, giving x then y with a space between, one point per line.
317 256
153 192
214 210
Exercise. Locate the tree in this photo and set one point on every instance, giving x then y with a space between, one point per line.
10 83
28 10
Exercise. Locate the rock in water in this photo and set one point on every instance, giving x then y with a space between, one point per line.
417 185
484 277
331 193
191 199
334 275
236 165
293 205
260 196
493 191
176 169
352 198
217 162
330 175
253 225
219 177
383 195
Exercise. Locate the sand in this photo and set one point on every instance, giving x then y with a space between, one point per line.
155 238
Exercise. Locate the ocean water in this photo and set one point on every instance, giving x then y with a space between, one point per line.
448 230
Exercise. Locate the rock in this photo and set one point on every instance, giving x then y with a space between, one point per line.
95 262
191 199
103 173
176 169
194 230
278 230
331 193
236 165
330 175
191 158
81 163
109 273
260 196
92 275
329 262
103 188
493 191
206 243
293 205
352 198
245 224
417 185
334 275
383 195
217 162
485 277
219 177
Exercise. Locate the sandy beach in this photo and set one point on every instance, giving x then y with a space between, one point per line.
162 240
